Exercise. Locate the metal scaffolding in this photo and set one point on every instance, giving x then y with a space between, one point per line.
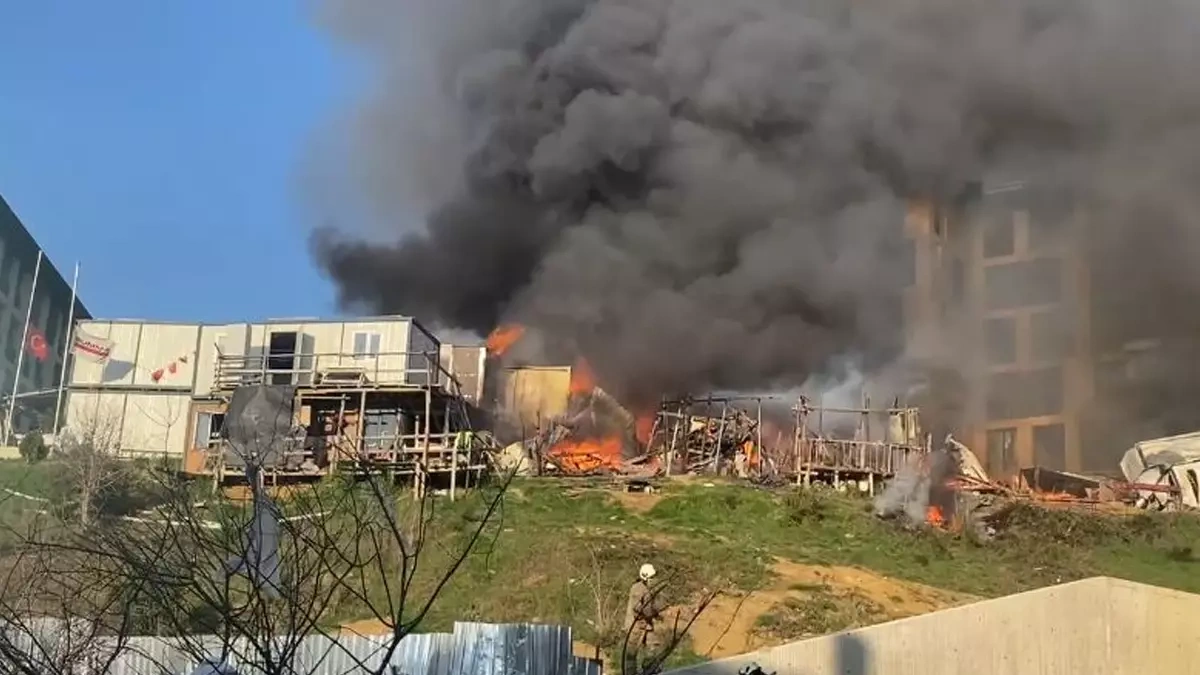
397 414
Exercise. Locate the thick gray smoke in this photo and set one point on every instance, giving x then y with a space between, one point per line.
709 193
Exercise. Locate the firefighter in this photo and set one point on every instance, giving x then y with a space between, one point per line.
640 615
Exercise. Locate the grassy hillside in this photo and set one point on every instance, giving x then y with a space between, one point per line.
792 563
567 553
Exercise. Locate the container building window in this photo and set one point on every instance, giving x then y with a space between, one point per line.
366 345
1050 446
208 429
1000 336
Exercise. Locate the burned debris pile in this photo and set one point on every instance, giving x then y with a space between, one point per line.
717 435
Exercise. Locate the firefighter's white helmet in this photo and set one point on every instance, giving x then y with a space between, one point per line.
646 573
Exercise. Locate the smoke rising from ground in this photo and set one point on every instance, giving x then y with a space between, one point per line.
702 194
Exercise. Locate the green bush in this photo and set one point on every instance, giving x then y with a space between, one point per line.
807 506
33 447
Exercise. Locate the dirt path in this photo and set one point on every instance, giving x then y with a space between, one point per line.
728 626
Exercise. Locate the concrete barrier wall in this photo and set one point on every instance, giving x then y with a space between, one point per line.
1091 627
1153 630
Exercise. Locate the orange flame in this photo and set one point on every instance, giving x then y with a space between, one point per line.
750 451
583 380
644 427
933 516
503 338
588 455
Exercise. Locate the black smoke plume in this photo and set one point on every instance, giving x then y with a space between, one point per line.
709 193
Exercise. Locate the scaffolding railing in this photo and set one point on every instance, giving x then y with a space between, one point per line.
332 370
879 452
434 446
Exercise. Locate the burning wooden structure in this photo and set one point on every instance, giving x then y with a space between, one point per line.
596 435
712 434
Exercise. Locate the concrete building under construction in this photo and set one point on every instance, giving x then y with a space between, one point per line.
1060 359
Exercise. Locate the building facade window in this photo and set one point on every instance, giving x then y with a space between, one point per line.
999 235
1044 392
1049 220
1004 394
1022 284
1001 451
1045 281
1048 338
1000 336
958 281
1050 446
1016 395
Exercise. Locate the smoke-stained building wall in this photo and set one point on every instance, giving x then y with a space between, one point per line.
1069 350
48 321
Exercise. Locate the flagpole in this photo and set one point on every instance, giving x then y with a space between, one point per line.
62 377
12 401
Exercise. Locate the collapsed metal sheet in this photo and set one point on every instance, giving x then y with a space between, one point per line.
258 425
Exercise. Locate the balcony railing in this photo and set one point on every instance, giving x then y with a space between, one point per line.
332 370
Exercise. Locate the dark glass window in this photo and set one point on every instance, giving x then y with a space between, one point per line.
1050 446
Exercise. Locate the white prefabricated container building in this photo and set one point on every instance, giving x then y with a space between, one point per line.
146 394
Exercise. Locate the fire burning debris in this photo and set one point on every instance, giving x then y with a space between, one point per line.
502 339
932 490
701 440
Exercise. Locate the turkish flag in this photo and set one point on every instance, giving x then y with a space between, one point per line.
38 345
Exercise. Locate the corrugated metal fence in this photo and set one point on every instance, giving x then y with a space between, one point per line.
472 649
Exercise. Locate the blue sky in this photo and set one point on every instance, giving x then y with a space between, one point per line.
158 142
